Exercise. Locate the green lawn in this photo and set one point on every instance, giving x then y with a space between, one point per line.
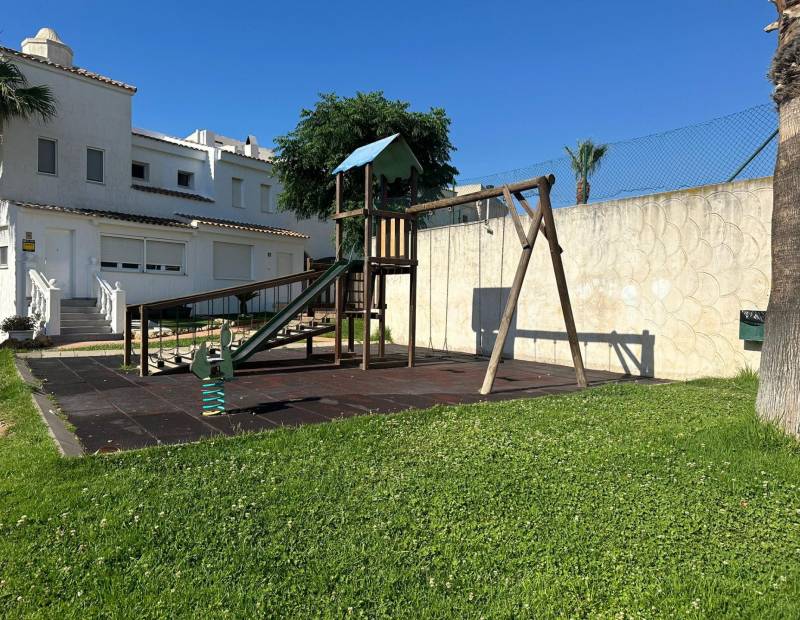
622 501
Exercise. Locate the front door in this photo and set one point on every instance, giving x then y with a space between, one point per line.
58 259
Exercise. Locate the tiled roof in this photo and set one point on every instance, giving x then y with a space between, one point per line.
272 230
75 70
112 215
172 192
169 140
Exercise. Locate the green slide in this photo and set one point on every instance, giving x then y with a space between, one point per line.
293 308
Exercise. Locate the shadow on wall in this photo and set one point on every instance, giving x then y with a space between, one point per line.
488 304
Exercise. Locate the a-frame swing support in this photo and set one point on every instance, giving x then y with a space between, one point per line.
541 220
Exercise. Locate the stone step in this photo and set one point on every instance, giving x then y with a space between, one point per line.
79 302
88 331
70 338
89 325
66 310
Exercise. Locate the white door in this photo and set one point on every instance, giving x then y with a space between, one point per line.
284 293
58 259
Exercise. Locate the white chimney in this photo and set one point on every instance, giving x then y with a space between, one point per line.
251 146
47 45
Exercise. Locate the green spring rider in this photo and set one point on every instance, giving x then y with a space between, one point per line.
214 371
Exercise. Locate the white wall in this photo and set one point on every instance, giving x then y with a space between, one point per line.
90 114
8 300
142 287
656 283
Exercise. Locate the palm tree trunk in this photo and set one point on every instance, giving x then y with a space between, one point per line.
779 387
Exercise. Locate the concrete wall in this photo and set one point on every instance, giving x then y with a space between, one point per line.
656 283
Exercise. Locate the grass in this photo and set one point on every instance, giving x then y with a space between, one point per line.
622 501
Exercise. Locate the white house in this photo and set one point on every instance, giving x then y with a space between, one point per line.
91 208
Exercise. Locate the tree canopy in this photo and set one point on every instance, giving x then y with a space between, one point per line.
335 127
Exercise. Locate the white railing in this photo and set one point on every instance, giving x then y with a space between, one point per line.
45 305
111 303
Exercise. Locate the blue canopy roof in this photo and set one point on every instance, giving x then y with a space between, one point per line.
391 157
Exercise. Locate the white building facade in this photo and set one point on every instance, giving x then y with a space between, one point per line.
89 204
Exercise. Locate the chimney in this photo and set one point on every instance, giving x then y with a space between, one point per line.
46 44
251 146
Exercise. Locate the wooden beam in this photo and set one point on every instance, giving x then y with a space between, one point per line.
412 286
346 214
339 301
511 304
454 201
561 283
512 208
144 359
365 358
126 355
382 317
525 205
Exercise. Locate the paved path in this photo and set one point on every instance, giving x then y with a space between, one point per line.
115 410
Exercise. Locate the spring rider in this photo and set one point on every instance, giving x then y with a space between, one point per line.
214 371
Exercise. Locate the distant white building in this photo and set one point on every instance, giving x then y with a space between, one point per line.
93 208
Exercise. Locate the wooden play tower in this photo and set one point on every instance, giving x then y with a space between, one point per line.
390 247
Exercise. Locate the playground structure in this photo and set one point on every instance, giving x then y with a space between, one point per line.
318 300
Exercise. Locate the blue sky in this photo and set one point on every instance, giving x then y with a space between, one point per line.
518 79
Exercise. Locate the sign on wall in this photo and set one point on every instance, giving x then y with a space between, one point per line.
28 245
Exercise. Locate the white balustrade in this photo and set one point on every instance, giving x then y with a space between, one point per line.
45 305
111 303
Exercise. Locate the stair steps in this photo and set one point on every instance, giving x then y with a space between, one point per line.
81 321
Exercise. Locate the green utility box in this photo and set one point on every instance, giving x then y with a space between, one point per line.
751 325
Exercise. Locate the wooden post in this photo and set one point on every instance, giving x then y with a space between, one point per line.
339 301
351 334
367 263
309 347
144 361
382 316
126 356
412 273
561 280
511 303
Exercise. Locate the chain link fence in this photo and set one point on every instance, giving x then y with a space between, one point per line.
738 146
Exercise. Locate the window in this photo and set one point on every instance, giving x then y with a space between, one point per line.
94 165
266 199
121 253
236 192
47 156
185 179
134 254
140 171
232 261
3 256
164 256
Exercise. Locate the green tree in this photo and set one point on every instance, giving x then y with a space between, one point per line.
779 375
333 129
19 100
585 161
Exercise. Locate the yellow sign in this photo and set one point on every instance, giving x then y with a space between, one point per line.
28 245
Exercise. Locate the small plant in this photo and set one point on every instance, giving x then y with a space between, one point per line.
17 323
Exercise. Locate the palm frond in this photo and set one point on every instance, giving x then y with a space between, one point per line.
19 100
585 161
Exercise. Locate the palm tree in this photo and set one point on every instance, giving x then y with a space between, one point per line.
585 163
779 375
19 100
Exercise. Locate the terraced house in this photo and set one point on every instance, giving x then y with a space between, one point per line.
98 214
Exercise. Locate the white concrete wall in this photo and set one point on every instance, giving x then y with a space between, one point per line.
8 301
656 283
90 114
142 287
